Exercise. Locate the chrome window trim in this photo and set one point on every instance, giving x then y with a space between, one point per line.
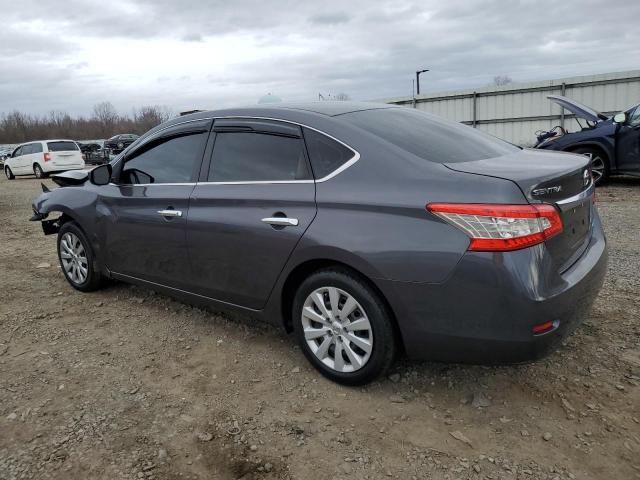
337 171
151 184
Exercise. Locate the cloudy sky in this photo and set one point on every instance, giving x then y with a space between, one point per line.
70 54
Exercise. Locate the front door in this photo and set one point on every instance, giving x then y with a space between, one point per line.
143 214
628 143
20 160
246 217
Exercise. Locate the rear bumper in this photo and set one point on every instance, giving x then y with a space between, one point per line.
52 168
485 312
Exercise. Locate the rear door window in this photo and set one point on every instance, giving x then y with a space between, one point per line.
36 148
327 155
429 137
252 156
62 146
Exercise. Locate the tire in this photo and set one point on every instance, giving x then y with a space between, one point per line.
9 173
599 164
38 172
356 366
78 264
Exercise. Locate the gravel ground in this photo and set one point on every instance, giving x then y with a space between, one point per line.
125 383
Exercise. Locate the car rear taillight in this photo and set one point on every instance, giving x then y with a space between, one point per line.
498 227
46 156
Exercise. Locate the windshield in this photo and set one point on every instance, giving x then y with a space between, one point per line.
429 137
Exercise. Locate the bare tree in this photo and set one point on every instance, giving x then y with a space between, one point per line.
150 116
105 113
501 80
18 127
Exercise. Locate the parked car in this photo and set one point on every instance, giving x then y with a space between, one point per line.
93 152
43 157
613 143
366 229
118 143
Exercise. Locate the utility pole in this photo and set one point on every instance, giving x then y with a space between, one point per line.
418 80
413 92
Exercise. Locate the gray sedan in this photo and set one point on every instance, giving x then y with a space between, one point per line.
368 230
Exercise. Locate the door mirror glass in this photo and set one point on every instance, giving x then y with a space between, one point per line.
100 175
620 118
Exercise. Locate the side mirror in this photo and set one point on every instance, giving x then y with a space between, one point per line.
101 175
620 118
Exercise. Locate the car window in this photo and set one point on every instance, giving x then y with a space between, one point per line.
171 161
17 152
428 136
634 118
326 154
62 146
248 156
26 149
36 148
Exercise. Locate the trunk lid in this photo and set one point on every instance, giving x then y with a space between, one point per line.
557 178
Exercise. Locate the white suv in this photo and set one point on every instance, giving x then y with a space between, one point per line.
43 157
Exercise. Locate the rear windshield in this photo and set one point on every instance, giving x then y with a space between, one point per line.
62 146
429 137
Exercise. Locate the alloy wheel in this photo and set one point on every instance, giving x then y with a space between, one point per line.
337 329
74 258
597 168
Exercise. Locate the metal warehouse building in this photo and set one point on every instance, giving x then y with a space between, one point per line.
514 112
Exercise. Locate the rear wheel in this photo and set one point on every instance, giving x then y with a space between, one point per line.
77 259
9 173
599 164
344 328
38 172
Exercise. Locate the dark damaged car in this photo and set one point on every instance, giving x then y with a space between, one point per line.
118 143
368 230
613 143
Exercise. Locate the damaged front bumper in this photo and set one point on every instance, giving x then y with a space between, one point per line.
49 227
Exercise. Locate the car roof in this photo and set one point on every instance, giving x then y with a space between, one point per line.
325 108
49 140
309 113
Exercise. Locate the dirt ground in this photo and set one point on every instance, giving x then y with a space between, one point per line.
125 383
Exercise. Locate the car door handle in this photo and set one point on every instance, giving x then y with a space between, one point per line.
281 221
170 213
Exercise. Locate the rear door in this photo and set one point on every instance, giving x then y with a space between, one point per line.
36 155
144 212
246 216
628 143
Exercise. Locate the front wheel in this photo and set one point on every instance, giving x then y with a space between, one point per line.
344 328
9 173
77 259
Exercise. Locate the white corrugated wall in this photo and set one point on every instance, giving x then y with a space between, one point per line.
514 112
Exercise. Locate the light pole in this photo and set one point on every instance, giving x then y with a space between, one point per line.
418 80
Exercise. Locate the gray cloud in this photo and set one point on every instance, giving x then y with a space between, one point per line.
70 54
330 18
